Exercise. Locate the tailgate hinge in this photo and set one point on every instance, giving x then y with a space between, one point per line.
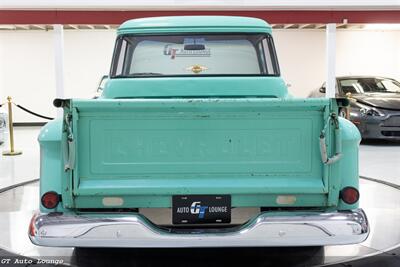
338 141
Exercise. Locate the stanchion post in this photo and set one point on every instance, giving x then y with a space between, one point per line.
11 152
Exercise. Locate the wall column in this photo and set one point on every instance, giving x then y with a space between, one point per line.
59 63
330 60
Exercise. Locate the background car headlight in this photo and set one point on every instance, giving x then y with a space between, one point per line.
371 111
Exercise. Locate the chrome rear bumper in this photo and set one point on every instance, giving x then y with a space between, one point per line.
308 229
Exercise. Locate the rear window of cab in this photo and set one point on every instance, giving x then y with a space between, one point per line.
194 55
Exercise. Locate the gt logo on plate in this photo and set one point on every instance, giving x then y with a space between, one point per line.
196 208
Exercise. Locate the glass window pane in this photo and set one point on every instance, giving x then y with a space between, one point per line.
201 54
121 56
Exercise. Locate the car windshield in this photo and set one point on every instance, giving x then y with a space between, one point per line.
194 55
369 85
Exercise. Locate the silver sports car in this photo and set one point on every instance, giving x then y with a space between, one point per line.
374 105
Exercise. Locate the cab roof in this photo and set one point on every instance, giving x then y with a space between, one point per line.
194 24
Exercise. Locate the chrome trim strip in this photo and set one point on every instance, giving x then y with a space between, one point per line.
266 229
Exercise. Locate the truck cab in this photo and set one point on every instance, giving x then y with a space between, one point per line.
195 142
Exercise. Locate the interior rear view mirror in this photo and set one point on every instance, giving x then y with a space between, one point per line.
194 47
194 44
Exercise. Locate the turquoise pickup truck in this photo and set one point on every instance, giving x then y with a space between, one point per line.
195 142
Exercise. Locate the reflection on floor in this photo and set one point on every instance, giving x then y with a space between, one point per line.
380 160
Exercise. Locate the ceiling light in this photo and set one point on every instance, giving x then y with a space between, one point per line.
392 26
7 27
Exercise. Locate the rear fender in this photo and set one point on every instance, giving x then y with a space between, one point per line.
348 165
50 160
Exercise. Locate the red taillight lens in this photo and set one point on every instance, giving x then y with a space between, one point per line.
349 195
50 200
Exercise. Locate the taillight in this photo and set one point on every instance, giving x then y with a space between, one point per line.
349 195
50 200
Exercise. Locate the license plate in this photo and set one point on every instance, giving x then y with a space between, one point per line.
198 209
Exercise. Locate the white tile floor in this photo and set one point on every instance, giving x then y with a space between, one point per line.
378 159
16 169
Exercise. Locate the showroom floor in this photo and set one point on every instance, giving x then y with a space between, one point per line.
378 160
25 167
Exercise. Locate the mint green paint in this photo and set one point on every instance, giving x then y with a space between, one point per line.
148 138
50 160
238 200
195 24
160 147
50 132
348 166
195 86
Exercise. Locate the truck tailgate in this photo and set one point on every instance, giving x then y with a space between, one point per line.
150 149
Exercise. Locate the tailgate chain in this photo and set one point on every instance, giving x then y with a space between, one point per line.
338 145
69 149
